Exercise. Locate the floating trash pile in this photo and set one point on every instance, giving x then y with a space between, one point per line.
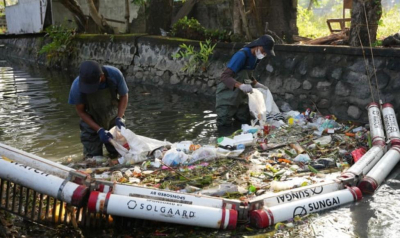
300 150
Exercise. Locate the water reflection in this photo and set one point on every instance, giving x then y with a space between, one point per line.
35 115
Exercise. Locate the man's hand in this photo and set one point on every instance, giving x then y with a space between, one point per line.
105 136
119 122
259 85
246 88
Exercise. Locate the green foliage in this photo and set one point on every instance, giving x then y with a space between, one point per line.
188 28
389 23
310 25
313 25
377 43
192 29
217 35
196 60
60 45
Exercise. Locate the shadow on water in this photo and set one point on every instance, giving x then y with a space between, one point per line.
35 115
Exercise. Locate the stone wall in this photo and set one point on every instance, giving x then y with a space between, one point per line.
333 78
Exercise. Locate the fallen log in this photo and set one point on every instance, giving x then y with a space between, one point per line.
327 39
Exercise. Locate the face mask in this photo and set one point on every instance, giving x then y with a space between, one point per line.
259 55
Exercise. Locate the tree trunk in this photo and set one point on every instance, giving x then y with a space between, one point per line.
281 16
184 11
364 31
310 5
99 20
158 15
254 12
237 23
127 15
243 17
80 18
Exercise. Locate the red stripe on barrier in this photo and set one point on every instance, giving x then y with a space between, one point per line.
233 215
93 201
259 218
79 197
106 202
373 104
101 188
271 217
387 105
368 185
221 226
358 193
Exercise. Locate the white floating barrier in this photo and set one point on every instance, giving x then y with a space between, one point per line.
292 195
382 169
391 126
375 121
377 175
137 191
374 154
34 161
270 215
164 211
41 182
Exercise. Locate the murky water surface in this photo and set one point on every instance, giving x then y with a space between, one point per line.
35 117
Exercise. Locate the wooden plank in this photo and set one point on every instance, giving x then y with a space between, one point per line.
184 11
325 39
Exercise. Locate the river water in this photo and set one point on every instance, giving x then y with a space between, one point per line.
35 117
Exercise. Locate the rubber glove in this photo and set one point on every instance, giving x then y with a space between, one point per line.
105 136
259 85
246 88
119 122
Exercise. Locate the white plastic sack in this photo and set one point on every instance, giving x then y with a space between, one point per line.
270 105
139 146
261 104
257 104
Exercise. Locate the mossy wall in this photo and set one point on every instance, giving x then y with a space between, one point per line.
333 78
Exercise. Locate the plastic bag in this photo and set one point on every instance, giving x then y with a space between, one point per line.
174 157
257 105
204 153
270 105
139 146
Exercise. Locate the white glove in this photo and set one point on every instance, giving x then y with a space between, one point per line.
259 85
246 88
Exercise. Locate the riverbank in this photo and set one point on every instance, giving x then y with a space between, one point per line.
334 79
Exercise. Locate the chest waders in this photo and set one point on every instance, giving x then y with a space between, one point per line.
233 103
102 106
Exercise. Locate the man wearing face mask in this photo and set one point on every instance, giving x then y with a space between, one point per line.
237 81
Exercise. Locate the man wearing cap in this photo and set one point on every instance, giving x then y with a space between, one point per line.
100 96
237 81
